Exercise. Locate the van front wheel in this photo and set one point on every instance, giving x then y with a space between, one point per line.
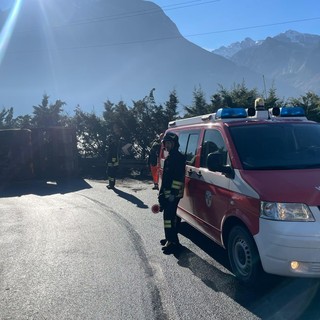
244 257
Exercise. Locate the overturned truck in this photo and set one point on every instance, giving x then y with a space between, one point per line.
49 153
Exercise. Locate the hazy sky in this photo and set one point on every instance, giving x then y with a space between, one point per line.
211 24
5 4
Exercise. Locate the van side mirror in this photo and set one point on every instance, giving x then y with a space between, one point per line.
215 163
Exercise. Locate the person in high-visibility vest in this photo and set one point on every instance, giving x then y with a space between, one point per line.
153 161
171 191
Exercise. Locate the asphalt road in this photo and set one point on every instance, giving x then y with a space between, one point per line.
76 250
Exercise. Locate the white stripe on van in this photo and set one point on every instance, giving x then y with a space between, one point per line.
237 184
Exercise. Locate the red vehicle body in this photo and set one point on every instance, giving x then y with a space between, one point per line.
252 185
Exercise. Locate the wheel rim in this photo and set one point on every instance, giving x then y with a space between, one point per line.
242 257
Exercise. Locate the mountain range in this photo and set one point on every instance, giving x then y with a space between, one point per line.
85 52
291 57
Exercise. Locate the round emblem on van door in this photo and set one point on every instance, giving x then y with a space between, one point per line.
208 197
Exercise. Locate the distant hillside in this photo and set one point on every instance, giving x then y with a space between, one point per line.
290 57
87 51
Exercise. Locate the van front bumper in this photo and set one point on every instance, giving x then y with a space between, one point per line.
290 248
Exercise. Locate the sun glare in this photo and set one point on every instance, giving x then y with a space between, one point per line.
8 28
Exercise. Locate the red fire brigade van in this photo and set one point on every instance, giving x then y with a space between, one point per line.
252 185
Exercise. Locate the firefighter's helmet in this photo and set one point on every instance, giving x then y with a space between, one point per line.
171 137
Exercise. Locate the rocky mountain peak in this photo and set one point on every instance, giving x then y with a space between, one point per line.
232 49
303 39
290 57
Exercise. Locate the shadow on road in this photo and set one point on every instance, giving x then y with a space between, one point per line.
278 298
129 197
42 188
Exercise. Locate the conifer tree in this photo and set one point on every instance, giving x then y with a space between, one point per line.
199 104
48 115
6 118
310 102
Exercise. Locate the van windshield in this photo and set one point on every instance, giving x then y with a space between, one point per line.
278 146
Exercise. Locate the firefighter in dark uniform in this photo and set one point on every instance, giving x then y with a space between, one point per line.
112 161
171 191
113 157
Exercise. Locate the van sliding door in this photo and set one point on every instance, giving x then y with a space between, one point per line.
213 195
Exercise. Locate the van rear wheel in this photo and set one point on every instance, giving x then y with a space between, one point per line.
244 257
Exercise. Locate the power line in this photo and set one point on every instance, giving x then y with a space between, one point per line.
205 33
170 7
252 27
176 6
180 3
186 5
178 37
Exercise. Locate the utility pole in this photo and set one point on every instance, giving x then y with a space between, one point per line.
264 85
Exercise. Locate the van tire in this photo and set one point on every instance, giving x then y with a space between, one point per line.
244 257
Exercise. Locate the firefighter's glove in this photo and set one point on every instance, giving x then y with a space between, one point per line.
171 198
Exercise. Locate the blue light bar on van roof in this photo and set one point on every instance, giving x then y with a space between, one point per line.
231 113
292 112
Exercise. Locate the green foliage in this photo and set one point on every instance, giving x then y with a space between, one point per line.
199 104
142 122
217 103
238 97
6 118
170 111
91 134
310 103
120 115
272 100
23 122
143 111
48 115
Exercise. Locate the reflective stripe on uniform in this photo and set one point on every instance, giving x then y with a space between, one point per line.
167 193
177 184
167 224
113 164
115 161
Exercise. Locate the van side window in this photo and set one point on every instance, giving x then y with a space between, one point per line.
212 142
188 141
